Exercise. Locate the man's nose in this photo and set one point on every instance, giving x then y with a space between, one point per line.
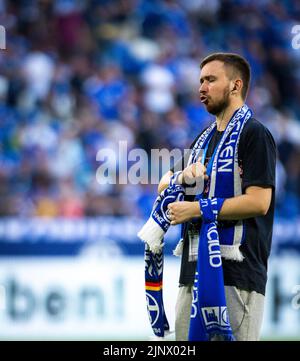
203 88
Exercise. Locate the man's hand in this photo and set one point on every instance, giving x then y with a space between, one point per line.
180 212
193 173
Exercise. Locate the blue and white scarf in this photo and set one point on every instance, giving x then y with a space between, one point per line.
152 234
154 263
225 180
209 318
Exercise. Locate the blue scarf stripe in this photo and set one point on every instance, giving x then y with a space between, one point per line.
209 317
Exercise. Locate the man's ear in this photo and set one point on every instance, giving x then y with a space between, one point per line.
236 86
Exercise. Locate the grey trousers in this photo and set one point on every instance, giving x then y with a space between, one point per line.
245 312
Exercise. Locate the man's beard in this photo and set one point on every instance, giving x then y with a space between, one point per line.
219 107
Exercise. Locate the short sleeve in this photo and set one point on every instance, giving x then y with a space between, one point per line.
257 156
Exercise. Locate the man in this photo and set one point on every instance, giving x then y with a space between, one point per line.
224 83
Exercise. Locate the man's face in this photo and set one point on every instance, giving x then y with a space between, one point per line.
214 87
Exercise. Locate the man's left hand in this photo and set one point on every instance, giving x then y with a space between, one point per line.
180 212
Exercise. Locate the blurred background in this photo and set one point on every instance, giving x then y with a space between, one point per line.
80 76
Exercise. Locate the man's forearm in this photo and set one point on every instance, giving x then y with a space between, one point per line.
164 182
236 208
240 207
254 203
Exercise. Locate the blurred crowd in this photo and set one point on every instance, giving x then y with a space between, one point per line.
80 76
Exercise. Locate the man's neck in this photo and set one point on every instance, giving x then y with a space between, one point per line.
224 117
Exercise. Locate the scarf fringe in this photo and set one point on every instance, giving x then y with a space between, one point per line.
179 248
152 234
232 253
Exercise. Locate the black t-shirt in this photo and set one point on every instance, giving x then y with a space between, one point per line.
257 158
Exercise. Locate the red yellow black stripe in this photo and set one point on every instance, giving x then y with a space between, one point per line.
153 286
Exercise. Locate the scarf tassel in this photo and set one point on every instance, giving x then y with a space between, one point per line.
152 234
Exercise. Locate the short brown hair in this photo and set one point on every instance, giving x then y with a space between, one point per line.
237 63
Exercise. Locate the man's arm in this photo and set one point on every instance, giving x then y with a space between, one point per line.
255 202
164 182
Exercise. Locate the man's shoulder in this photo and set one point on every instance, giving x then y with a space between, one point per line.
255 128
253 125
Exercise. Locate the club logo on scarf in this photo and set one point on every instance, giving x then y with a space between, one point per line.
153 309
215 316
170 199
164 205
160 211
